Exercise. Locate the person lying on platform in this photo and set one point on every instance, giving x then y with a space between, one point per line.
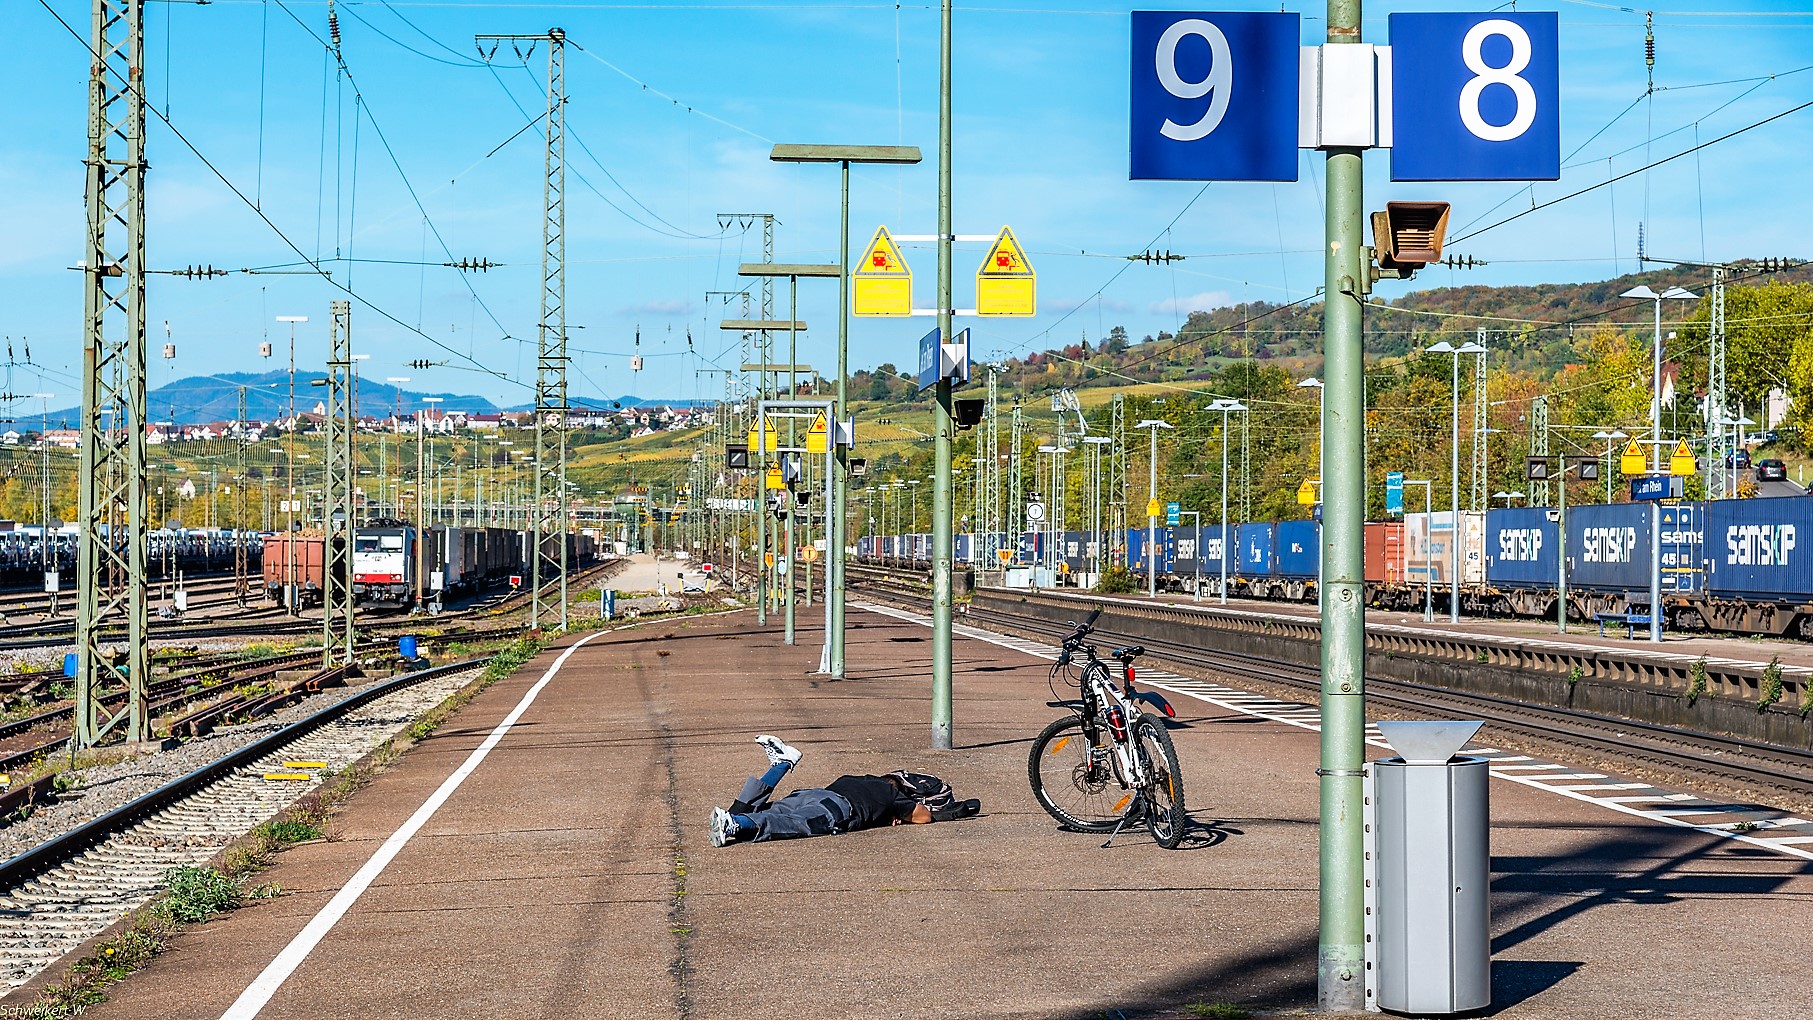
847 804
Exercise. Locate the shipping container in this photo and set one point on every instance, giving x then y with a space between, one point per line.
1753 549
1299 549
1255 550
1385 553
1166 555
1200 544
1522 550
1430 549
1608 548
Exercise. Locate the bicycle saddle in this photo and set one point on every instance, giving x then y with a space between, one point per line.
1129 652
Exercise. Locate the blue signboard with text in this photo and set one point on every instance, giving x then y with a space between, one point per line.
1394 492
929 361
1475 97
1214 96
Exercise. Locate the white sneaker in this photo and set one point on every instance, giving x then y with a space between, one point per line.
778 752
724 829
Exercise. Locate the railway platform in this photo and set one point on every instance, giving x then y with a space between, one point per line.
566 872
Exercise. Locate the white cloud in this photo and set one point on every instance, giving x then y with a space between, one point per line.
1208 299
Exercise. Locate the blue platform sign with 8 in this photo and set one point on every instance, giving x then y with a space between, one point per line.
1475 97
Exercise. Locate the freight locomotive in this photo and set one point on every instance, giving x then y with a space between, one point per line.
455 560
1734 565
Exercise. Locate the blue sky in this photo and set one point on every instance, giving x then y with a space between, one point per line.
678 104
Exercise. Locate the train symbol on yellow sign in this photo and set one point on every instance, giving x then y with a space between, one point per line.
1005 282
881 284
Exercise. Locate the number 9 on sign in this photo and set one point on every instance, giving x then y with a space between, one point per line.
1215 83
1214 96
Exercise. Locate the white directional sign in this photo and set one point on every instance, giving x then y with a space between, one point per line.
1484 104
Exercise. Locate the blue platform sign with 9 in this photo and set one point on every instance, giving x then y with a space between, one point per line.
1214 96
1475 97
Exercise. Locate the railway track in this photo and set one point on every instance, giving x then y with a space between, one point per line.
59 894
1745 762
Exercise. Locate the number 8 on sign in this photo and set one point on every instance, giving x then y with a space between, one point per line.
1475 97
1473 54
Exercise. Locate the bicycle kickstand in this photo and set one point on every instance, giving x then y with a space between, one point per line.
1132 810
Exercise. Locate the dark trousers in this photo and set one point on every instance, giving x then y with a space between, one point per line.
809 812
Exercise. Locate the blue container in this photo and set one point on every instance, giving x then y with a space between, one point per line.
1754 549
1299 549
962 544
1031 545
1255 549
1521 548
70 664
1204 544
406 646
1608 547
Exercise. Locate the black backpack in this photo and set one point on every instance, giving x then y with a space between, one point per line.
934 794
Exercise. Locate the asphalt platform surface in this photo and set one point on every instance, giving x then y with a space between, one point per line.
570 875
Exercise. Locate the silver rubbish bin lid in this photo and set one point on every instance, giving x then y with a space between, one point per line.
1429 742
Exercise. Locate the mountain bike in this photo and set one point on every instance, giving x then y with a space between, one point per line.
1109 763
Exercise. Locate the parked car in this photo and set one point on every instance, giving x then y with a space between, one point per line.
1739 459
1771 470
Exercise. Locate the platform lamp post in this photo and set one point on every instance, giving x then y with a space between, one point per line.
1455 536
1154 424
1226 407
792 271
843 155
1655 420
1611 439
1507 496
1312 383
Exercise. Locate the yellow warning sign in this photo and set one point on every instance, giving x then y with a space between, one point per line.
761 436
881 283
808 554
1005 282
775 481
1155 508
768 558
1306 493
818 437
1630 462
1004 555
1681 462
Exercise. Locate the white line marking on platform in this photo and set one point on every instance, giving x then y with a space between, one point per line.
1309 718
258 994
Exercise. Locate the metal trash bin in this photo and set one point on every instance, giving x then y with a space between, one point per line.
1428 870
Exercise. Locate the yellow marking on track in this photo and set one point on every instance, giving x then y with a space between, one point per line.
288 776
1121 805
1059 746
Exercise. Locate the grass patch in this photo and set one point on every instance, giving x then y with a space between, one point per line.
1772 684
1698 682
1217 1011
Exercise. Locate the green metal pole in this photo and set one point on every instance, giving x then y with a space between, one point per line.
1340 969
784 556
941 416
840 464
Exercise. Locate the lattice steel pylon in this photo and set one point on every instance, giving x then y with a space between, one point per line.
113 380
1117 477
549 518
337 555
1539 447
1479 426
1016 480
1718 439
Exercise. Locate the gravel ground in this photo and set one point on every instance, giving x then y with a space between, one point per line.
111 785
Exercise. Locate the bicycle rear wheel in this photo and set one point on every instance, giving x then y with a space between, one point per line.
1165 815
1075 781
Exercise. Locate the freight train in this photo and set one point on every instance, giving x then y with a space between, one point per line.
24 559
456 561
1733 565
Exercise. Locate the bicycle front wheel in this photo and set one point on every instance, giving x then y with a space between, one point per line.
1074 779
1165 816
